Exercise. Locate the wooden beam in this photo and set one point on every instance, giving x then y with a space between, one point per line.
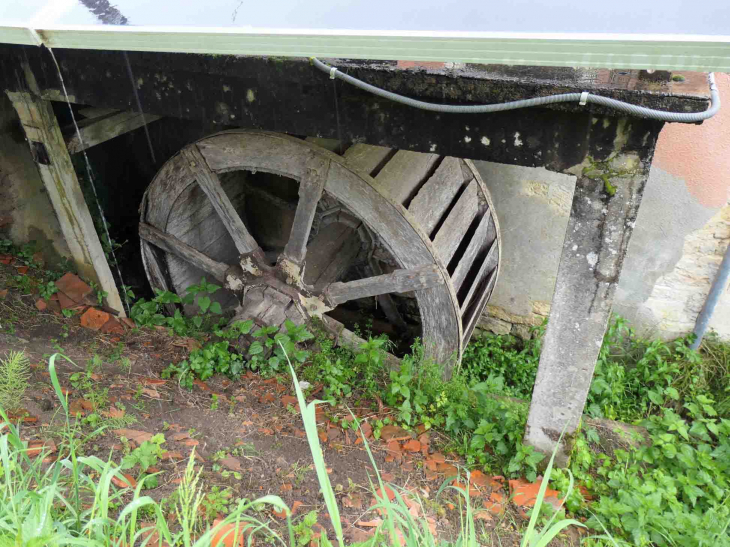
210 183
310 190
59 178
400 281
105 129
171 244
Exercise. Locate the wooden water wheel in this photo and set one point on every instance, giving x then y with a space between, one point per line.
293 230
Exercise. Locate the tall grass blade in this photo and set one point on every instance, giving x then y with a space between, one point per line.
309 418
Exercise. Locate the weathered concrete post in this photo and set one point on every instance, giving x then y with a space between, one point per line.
605 205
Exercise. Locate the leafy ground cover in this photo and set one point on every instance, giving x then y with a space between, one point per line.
146 398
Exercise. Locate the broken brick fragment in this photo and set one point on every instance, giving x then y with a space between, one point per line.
41 305
65 302
112 327
525 493
412 446
73 287
94 319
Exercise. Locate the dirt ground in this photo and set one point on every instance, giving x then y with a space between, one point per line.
247 434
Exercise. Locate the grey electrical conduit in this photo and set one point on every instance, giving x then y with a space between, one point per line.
580 98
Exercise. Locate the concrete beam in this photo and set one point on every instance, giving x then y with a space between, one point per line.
57 172
603 214
290 96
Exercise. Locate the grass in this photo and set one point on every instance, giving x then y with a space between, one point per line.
74 502
14 376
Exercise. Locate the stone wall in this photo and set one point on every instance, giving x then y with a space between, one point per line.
679 295
681 234
26 213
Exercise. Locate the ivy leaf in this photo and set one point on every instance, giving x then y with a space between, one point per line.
693 492
670 451
255 348
204 303
215 307
655 397
198 321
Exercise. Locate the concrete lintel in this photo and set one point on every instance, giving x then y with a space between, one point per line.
604 210
57 172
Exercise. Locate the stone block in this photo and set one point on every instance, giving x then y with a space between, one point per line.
494 325
521 331
504 315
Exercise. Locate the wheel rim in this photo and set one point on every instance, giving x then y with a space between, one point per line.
249 275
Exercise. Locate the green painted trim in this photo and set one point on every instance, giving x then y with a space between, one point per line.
666 52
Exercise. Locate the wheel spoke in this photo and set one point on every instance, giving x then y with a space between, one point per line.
414 279
386 302
310 190
210 183
175 246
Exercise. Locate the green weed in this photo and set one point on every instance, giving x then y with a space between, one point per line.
14 378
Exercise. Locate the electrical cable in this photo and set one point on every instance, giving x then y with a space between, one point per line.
581 98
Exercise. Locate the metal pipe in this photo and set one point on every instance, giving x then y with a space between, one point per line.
703 319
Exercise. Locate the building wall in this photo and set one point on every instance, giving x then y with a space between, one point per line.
680 237
681 234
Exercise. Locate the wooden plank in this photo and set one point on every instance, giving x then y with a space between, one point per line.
173 245
402 176
366 158
53 161
96 112
471 321
330 253
310 190
211 185
348 339
276 312
333 145
294 315
106 129
482 239
438 307
436 196
454 228
152 263
489 264
399 281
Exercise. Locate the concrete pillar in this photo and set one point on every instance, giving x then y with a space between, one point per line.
604 209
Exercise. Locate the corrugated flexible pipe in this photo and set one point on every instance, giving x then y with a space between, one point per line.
580 98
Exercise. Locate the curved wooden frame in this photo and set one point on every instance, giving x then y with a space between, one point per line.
396 227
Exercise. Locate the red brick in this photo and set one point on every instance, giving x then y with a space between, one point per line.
94 319
65 302
412 446
128 322
434 65
73 287
113 326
